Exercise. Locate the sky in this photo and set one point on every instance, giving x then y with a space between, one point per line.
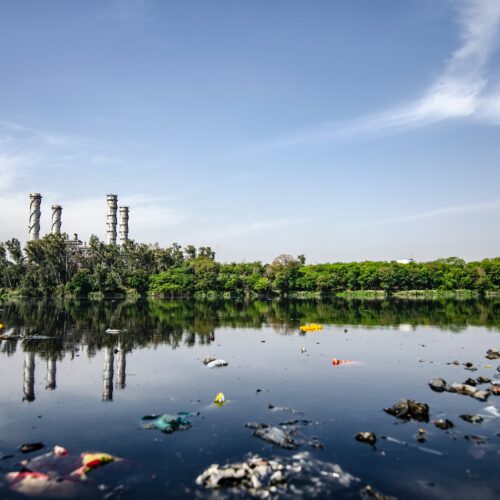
346 130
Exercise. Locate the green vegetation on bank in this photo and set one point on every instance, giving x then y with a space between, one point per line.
55 266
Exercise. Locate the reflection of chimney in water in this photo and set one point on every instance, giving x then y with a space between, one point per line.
29 377
122 364
107 374
51 374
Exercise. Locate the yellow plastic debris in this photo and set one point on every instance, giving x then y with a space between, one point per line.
311 327
219 399
2 326
488 366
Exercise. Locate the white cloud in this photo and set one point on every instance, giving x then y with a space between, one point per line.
442 212
463 89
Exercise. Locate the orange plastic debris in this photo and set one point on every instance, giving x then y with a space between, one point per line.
336 362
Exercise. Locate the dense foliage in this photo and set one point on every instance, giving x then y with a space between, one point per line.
55 265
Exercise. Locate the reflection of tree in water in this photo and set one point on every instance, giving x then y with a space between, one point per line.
183 322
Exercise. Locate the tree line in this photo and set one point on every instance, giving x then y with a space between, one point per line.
56 266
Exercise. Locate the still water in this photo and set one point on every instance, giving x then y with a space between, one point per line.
87 390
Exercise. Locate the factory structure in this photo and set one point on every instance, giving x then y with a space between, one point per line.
112 220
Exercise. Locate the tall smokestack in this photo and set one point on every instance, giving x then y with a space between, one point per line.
123 225
112 201
56 219
34 224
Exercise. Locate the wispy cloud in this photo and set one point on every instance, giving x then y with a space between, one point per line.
471 208
463 90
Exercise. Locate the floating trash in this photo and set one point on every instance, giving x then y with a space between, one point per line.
337 362
300 475
57 473
311 327
220 399
169 423
115 331
217 363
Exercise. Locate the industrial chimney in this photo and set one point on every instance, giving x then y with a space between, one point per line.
123 225
112 201
34 223
56 219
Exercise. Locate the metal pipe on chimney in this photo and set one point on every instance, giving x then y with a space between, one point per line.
112 201
56 219
123 225
34 222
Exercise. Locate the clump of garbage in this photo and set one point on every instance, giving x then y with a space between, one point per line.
311 327
56 473
169 423
300 475
274 435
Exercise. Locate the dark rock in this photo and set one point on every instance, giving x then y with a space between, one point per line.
483 380
468 364
314 442
366 437
475 439
30 447
255 425
369 493
471 381
439 385
421 436
409 409
443 423
493 354
473 419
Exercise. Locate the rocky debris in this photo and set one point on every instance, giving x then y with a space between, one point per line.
369 493
444 424
315 443
283 408
469 390
483 380
475 439
421 435
276 436
30 447
473 419
495 390
300 475
471 381
366 437
493 354
408 409
439 385
470 366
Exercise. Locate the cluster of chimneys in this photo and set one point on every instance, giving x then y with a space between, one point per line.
112 201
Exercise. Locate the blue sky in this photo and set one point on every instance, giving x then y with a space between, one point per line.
344 130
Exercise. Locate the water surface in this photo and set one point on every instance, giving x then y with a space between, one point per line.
87 390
